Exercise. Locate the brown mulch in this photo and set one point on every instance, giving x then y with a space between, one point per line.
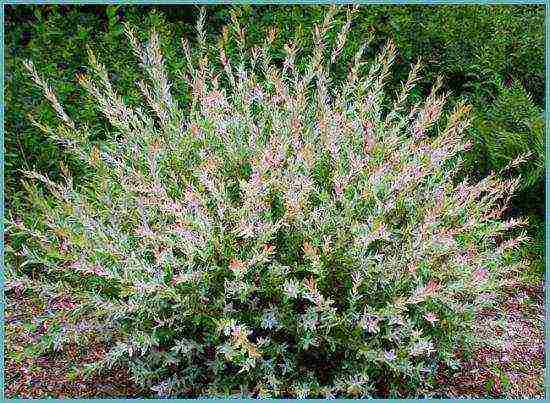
515 371
29 374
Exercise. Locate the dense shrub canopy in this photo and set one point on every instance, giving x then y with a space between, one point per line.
284 234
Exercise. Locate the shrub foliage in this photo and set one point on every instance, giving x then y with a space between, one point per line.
283 234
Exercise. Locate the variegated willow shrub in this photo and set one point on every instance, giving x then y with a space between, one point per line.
283 234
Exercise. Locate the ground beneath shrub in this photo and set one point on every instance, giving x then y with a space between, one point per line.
516 371
29 374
